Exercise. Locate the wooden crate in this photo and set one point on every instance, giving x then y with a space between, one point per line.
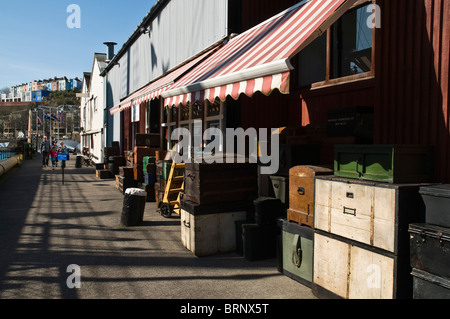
350 270
142 151
217 183
112 151
376 214
301 193
138 173
126 171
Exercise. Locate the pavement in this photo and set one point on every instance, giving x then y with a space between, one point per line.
46 226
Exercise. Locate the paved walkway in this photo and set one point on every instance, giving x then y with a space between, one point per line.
46 226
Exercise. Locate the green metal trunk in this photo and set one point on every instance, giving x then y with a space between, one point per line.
297 252
385 163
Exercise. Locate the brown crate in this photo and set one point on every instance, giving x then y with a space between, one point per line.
103 174
141 151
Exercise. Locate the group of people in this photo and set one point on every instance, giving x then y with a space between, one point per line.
50 153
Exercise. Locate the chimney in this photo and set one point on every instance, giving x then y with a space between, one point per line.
110 53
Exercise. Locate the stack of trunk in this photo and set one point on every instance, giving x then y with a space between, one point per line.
149 165
125 179
429 245
361 219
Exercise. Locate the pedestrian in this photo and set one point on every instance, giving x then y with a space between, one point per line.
63 150
45 149
53 157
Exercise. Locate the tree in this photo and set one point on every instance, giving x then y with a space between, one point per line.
5 90
58 98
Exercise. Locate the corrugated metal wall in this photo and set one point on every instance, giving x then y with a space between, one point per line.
181 30
412 77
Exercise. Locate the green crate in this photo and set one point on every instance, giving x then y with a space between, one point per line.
385 163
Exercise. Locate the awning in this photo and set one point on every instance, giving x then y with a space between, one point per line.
259 59
154 89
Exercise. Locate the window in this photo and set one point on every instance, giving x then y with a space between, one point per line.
342 53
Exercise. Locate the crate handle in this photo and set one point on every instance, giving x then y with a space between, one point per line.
301 191
192 177
349 211
187 225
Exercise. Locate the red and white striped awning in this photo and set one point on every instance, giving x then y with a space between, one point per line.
259 59
156 88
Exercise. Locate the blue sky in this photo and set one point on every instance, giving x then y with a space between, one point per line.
36 43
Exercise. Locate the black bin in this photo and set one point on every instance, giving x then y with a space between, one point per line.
79 161
133 207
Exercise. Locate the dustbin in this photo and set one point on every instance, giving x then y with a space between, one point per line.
79 161
133 207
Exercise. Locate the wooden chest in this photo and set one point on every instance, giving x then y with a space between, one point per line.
218 183
293 155
138 173
385 163
430 286
123 183
210 229
350 270
142 151
112 151
376 214
301 193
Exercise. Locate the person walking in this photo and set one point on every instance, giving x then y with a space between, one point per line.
45 150
54 157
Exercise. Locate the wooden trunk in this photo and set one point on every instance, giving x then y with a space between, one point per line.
112 151
142 151
350 270
301 193
430 286
210 229
293 155
218 183
376 214
385 163
123 183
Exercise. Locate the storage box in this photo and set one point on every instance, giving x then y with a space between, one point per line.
376 214
297 252
437 204
268 210
138 173
385 163
142 151
104 174
210 229
430 249
350 270
150 190
150 179
301 193
125 171
124 183
430 286
112 151
259 241
219 183
280 186
149 140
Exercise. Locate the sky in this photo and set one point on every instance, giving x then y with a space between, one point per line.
48 38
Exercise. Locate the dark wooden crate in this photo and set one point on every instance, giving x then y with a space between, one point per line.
216 183
142 151
149 140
